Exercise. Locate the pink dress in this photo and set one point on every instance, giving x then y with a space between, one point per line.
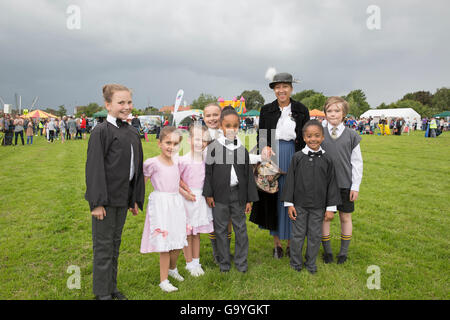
198 213
165 222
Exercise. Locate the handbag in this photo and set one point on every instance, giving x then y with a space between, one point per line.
266 176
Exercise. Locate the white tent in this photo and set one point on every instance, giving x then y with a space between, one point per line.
180 115
408 114
405 113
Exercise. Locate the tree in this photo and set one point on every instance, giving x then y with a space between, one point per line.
61 111
441 100
253 99
315 101
203 100
424 97
89 110
299 96
359 102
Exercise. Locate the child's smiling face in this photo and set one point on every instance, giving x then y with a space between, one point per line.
230 126
211 116
121 105
170 144
313 137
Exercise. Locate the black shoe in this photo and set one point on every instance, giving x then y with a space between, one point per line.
312 271
278 252
109 297
118 296
328 258
341 259
288 252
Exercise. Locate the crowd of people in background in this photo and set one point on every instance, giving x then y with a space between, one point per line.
16 128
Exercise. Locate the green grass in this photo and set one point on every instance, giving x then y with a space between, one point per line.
401 224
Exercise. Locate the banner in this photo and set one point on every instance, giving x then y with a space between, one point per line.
178 100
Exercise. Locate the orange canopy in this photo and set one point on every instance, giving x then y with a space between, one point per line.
316 113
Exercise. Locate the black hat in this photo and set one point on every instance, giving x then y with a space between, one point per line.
282 77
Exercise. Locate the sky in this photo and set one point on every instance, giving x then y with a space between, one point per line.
219 47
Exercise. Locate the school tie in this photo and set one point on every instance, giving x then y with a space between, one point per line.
314 154
334 133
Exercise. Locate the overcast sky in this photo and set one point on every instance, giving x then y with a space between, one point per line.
219 47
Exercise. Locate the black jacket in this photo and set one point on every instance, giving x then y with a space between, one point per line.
268 118
108 167
218 174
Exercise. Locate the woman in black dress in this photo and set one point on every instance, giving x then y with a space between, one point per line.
280 136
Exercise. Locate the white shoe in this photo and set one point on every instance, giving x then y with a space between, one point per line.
174 274
166 286
200 270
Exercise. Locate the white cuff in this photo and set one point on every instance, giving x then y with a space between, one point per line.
288 204
254 158
331 208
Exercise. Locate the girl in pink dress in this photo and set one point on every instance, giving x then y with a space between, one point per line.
165 222
198 213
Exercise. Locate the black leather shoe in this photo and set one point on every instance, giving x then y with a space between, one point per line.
118 296
109 297
341 259
278 252
328 258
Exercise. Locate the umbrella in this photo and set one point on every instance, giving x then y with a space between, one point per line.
316 113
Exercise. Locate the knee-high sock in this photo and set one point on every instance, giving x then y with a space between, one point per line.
345 242
326 244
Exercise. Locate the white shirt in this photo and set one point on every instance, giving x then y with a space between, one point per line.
112 120
233 177
355 159
305 150
285 129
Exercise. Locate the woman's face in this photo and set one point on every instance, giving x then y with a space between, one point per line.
283 92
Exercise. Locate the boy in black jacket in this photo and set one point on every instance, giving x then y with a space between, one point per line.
310 192
229 189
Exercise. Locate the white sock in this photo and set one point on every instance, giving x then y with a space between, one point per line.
165 281
196 262
189 265
174 270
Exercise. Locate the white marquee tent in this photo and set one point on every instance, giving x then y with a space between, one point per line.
180 115
405 113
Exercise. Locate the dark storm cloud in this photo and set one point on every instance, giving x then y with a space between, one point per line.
218 47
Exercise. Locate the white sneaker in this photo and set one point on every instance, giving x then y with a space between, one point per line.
174 274
200 270
166 286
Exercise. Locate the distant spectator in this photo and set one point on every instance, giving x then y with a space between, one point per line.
136 123
83 125
30 132
18 129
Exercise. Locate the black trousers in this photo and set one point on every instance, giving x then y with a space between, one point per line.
17 134
106 239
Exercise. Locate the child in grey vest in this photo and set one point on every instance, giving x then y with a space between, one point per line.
342 145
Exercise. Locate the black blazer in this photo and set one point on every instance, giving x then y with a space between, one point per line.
218 173
268 118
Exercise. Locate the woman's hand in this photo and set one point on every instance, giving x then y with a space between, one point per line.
134 210
266 153
248 207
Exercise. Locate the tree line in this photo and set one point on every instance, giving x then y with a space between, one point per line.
423 102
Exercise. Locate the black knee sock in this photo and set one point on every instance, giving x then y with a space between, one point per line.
345 242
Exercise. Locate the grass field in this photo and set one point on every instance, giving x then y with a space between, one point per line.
401 225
